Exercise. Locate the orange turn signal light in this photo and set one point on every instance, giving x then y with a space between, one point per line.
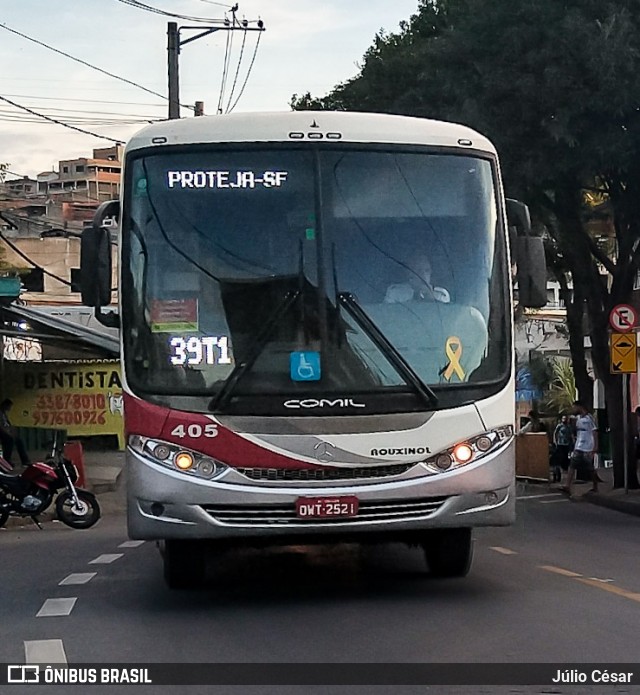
184 461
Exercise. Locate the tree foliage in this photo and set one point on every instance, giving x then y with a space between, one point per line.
562 392
555 86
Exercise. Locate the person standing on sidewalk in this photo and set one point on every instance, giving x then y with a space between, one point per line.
9 437
563 443
534 424
585 447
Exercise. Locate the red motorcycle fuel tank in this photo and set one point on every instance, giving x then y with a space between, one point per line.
40 474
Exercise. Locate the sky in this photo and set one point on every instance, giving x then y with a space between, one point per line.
308 45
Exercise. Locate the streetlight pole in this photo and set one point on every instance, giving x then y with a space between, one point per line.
173 52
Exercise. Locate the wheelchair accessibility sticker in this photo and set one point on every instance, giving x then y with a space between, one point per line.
304 366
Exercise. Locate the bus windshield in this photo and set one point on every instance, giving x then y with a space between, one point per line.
301 275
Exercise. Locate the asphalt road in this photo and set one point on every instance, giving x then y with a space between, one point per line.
561 586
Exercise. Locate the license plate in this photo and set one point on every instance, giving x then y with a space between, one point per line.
323 507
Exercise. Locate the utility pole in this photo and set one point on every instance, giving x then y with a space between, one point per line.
174 43
173 51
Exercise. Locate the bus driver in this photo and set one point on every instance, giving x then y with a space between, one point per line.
417 285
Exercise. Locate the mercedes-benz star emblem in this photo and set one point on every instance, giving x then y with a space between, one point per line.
324 451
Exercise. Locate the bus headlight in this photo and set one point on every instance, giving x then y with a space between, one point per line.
470 450
463 453
176 458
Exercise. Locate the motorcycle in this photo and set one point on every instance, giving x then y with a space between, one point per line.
31 492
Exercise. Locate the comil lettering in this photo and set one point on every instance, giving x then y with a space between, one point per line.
323 403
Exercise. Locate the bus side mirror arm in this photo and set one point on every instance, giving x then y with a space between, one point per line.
95 262
528 252
111 319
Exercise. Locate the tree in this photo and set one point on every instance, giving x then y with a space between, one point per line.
555 86
562 393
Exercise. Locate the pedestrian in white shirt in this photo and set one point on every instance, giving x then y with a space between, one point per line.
585 448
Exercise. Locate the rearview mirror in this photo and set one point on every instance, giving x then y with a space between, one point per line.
532 272
527 251
95 256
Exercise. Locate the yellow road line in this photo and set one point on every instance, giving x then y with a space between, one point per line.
559 570
611 588
596 583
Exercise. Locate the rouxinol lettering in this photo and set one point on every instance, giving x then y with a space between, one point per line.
405 451
73 380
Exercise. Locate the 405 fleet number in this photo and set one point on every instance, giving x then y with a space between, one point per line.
195 431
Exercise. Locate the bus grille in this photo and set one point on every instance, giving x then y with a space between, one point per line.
306 474
285 514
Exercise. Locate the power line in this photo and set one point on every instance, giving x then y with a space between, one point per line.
219 4
62 123
24 257
84 62
142 6
225 68
91 101
88 113
235 77
246 79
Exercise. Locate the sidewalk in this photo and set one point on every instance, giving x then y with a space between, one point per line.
606 496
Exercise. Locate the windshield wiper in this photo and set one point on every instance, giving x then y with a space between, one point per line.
402 367
254 351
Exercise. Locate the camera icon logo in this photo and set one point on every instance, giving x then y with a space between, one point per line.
23 674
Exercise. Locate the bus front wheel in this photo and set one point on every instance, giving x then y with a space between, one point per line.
184 563
449 552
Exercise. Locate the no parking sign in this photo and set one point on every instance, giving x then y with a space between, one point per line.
623 318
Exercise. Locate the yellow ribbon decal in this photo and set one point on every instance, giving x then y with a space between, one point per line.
453 350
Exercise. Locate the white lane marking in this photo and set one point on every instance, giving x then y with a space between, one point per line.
53 607
561 499
596 579
130 544
106 559
537 497
503 551
44 651
80 578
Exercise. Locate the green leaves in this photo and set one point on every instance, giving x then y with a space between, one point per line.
562 392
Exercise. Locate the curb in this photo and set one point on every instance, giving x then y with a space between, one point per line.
618 505
99 487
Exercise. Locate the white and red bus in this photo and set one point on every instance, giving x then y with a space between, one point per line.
316 322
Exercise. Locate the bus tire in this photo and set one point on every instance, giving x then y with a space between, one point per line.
449 552
184 563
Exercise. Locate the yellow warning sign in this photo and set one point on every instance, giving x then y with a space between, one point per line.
624 359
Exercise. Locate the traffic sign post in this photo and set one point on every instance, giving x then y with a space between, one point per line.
623 318
623 355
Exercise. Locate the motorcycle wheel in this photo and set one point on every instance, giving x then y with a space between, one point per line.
4 515
84 515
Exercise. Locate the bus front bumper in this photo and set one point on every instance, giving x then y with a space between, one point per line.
165 504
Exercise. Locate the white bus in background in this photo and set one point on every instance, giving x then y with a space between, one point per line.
317 338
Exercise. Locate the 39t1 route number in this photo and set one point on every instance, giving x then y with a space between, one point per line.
195 431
